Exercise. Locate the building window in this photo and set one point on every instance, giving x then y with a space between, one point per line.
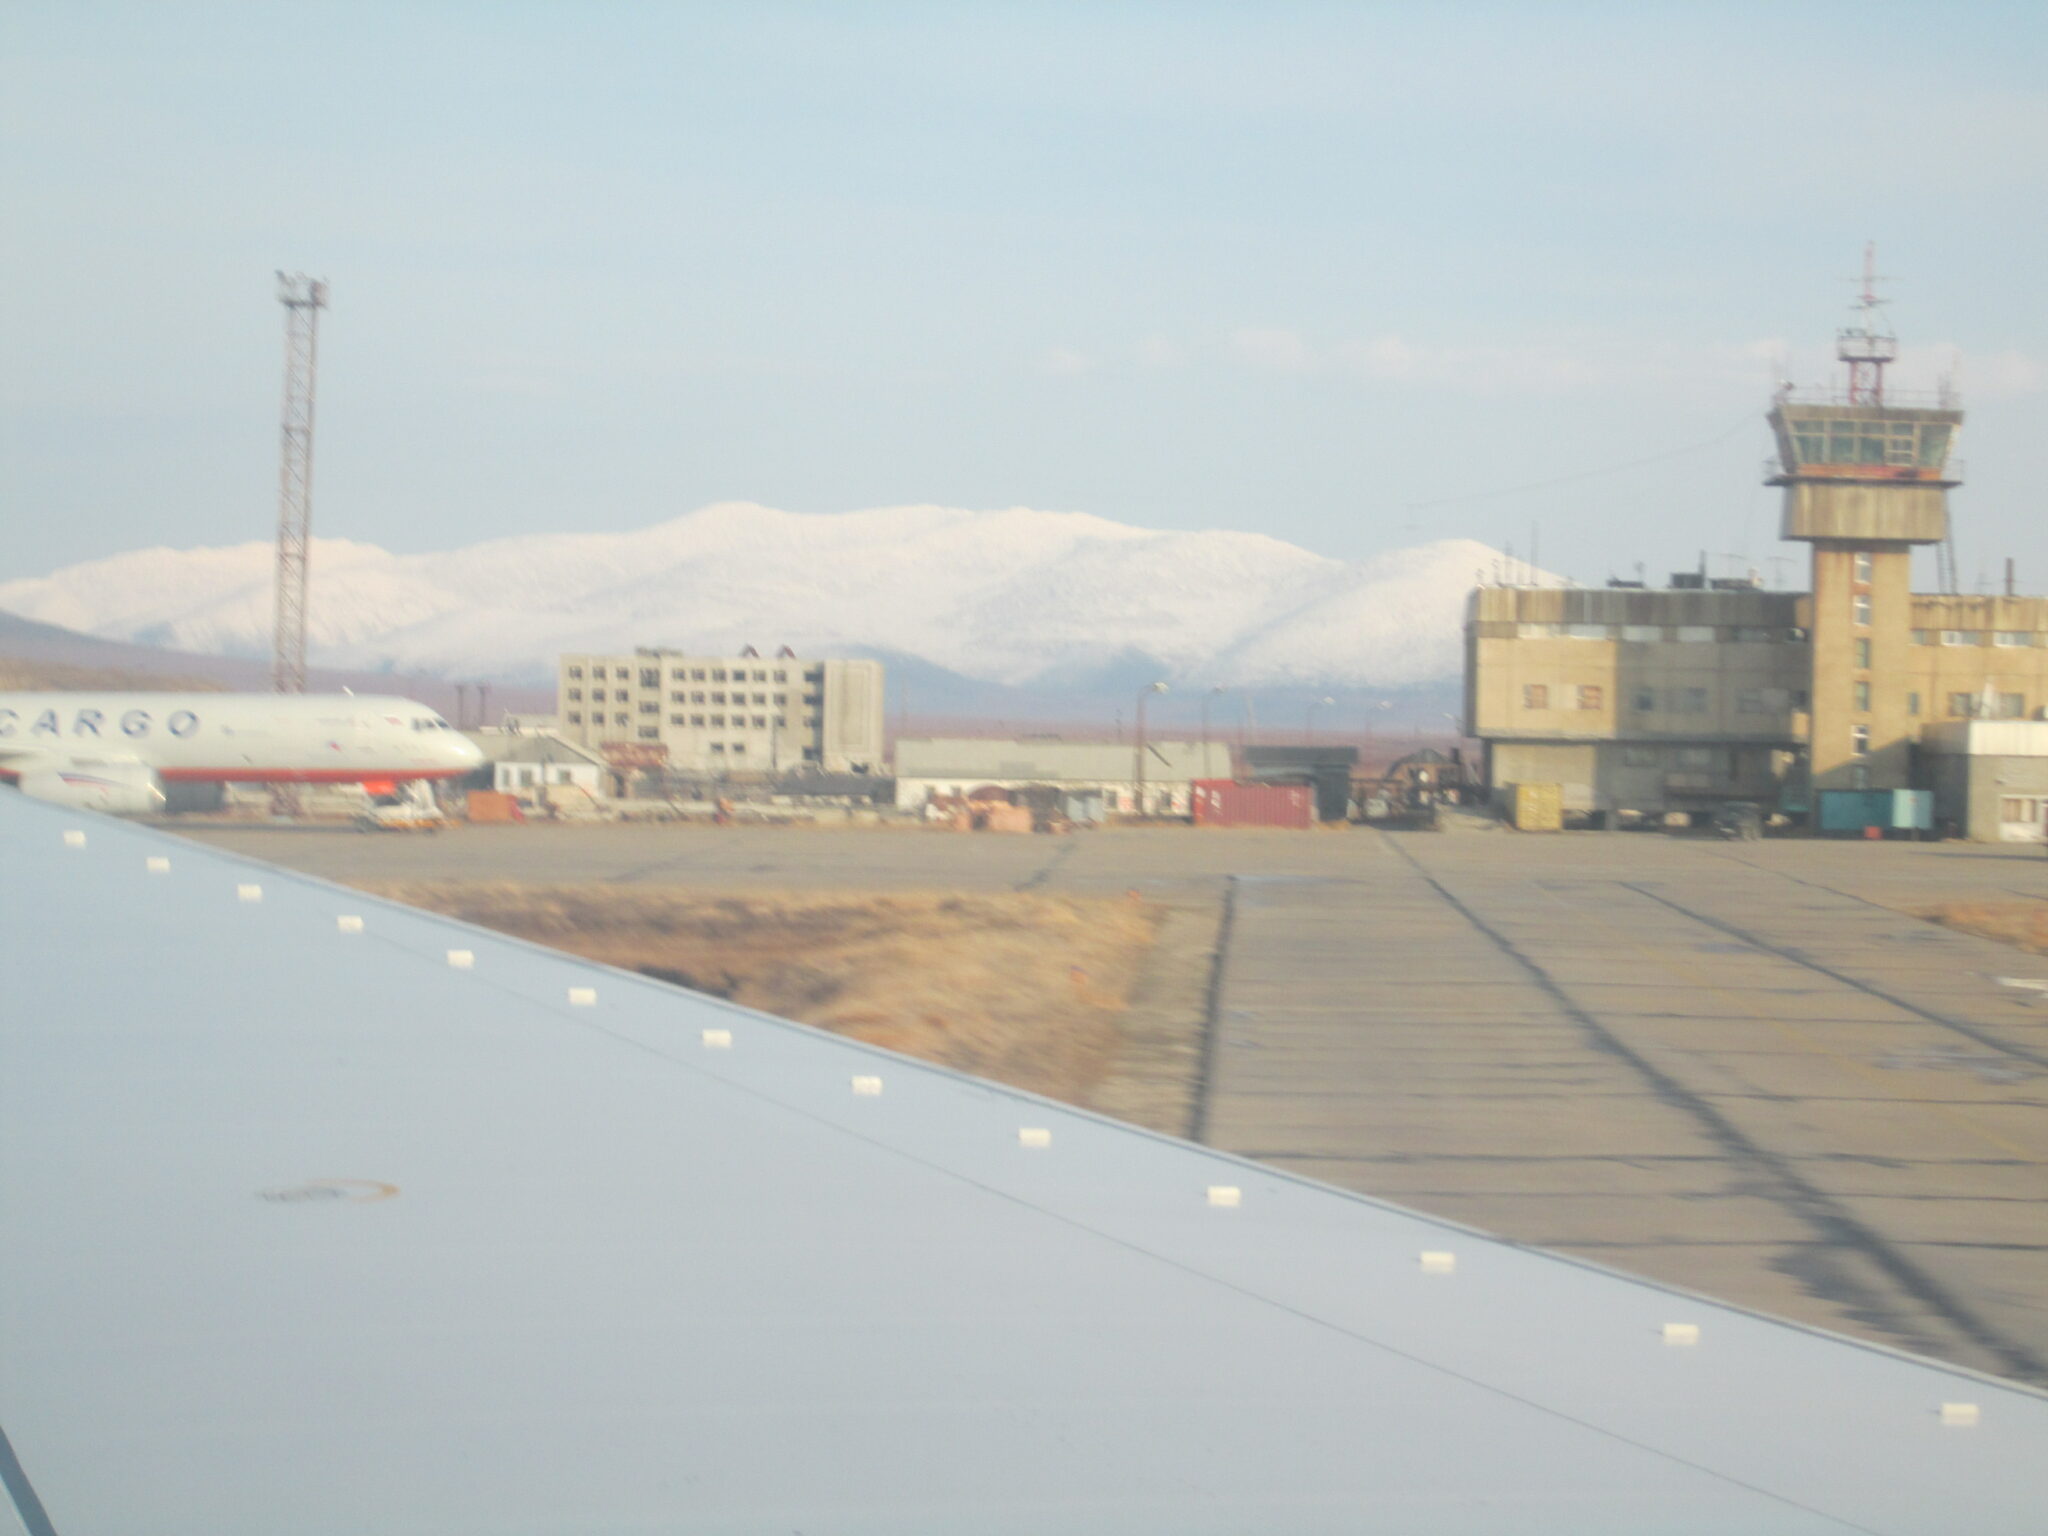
1962 706
677 698
781 677
761 677
1750 701
739 749
810 720
1859 608
1861 560
1642 633
1923 637
576 693
2020 808
650 708
718 698
1958 637
696 674
1752 633
719 721
650 732
760 722
575 717
1591 696
815 675
697 720
1535 696
760 698
1689 701
597 671
1861 698
1645 701
718 746
812 698
575 671
1696 634
1799 698
1912 703
675 719
1863 654
718 674
650 677
697 697
1639 757
1588 632
619 719
2012 637
2012 706
1859 741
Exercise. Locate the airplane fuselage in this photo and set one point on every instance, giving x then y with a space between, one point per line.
313 738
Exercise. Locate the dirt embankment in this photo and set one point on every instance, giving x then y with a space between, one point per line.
1025 989
2020 923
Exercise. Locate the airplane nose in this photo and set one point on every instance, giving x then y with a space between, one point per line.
467 752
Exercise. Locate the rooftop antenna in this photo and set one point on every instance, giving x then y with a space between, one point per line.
1869 344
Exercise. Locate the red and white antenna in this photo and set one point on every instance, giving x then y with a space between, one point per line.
1869 344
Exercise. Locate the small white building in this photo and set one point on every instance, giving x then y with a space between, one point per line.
942 766
528 765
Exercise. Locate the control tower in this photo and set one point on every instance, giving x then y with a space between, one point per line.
1866 477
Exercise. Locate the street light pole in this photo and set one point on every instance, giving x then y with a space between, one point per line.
1208 699
1138 757
1308 724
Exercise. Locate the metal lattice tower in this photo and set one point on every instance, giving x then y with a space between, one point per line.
303 299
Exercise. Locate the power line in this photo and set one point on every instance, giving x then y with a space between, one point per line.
1584 474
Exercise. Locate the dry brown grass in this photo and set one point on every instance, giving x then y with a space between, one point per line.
1025 989
2020 923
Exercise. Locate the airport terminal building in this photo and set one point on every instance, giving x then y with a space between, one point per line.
719 715
1646 701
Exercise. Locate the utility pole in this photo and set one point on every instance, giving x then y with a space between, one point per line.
1138 757
303 299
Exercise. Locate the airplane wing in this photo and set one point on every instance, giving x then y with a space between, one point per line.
322 1215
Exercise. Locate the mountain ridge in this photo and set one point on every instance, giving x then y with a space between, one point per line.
1012 598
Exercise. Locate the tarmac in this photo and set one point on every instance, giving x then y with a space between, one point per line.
1745 1069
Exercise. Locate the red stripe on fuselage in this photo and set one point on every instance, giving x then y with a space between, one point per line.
301 775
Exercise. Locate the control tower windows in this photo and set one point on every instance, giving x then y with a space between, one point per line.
1859 609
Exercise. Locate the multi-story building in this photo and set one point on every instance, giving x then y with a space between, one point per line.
724 714
1649 701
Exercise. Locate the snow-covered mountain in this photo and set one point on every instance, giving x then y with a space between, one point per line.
1013 597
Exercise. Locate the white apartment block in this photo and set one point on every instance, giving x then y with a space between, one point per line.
726 714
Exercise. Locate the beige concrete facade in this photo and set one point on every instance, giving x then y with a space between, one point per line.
726 714
1658 701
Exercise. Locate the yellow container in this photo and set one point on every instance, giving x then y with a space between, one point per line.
1536 807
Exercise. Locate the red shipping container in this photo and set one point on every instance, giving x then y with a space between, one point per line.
1225 803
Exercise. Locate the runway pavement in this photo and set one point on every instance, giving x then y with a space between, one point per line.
1743 1068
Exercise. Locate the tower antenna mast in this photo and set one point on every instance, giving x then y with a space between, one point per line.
303 298
1869 344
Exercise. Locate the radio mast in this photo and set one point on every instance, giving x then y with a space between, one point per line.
303 298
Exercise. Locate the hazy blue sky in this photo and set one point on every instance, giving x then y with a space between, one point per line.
1294 268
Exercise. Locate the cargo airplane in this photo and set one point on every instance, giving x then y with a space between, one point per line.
127 753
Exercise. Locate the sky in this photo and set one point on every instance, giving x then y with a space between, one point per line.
1353 275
